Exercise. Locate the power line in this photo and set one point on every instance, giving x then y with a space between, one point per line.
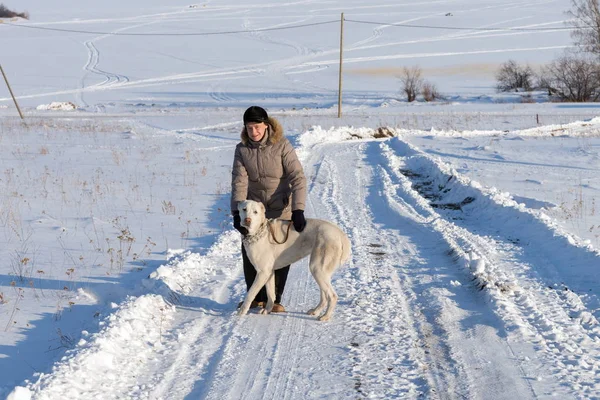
459 28
166 33
281 28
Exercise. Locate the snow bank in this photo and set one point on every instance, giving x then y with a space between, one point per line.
108 361
177 277
92 368
490 215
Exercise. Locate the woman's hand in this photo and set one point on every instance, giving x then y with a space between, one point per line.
298 220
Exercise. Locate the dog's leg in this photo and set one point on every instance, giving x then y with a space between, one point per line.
315 265
270 295
328 296
332 299
317 310
259 282
322 265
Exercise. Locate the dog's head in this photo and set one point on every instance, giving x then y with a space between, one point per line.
252 214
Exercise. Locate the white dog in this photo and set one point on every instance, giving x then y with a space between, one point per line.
274 243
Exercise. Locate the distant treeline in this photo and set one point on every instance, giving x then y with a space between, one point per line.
6 13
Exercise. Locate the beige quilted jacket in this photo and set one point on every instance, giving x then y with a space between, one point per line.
268 171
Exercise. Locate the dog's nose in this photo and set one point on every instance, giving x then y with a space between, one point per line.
247 221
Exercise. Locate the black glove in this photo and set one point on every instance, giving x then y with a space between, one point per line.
298 220
237 224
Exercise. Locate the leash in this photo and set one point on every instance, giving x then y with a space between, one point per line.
287 233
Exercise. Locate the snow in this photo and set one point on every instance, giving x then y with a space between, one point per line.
474 226
57 105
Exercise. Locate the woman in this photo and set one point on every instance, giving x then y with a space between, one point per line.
266 169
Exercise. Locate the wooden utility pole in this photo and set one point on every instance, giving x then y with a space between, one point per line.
341 58
11 92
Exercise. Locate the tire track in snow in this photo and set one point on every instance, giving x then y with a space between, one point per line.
92 66
203 76
467 352
215 93
185 363
384 357
261 354
456 361
93 61
548 324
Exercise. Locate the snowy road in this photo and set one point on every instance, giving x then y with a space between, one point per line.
446 297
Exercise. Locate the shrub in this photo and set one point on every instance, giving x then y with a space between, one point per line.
430 92
513 76
6 13
572 78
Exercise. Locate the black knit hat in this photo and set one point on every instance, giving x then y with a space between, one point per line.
255 114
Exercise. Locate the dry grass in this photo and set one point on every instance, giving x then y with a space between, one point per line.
98 210
168 208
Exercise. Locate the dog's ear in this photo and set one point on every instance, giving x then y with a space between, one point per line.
242 205
263 209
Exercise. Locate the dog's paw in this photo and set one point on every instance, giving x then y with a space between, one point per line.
315 311
242 312
324 317
263 311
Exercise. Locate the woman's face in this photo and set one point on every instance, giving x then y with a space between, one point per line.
256 130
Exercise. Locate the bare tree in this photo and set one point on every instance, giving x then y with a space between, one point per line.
574 78
586 21
411 82
513 76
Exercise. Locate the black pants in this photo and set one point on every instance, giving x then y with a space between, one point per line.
250 273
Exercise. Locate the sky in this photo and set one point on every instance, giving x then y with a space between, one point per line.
473 223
